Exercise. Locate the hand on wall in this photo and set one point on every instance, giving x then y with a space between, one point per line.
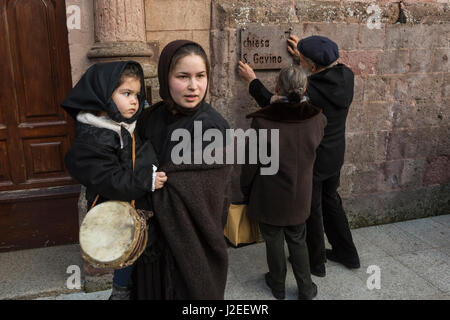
246 72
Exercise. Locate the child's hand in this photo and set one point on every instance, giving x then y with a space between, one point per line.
160 179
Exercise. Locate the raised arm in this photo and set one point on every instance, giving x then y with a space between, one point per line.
256 89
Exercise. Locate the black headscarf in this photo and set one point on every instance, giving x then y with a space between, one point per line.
164 64
94 90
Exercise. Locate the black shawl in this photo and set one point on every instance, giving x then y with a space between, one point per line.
94 90
190 210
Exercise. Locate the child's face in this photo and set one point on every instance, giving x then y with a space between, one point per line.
126 96
188 81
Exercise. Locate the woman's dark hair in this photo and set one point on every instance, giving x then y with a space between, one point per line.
186 51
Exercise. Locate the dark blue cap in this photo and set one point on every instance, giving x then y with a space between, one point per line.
320 50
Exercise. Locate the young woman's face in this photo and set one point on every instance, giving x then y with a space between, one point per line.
188 81
126 96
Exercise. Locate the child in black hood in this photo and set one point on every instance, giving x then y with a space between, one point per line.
106 103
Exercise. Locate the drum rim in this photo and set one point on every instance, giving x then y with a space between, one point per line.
124 259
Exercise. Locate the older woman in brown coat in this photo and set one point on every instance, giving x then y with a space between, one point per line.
281 202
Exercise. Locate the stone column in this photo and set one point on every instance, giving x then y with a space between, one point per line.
120 35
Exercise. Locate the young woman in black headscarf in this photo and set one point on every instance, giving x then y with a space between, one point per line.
190 208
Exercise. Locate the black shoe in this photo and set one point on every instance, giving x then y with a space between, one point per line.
279 294
349 264
318 271
308 297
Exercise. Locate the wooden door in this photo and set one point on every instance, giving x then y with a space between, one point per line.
38 198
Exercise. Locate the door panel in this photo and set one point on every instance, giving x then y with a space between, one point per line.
31 34
5 177
35 132
39 69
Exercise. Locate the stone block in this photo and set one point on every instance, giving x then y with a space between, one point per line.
437 170
441 31
381 143
358 91
392 61
359 178
319 11
360 147
446 86
394 206
416 86
401 36
420 60
362 210
164 37
401 144
427 142
443 147
378 116
235 14
400 174
356 118
403 114
344 12
404 205
429 113
375 88
425 13
202 38
369 39
343 34
166 15
412 143
226 88
441 60
361 62
438 199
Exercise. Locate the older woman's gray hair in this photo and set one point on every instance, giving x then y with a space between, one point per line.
292 82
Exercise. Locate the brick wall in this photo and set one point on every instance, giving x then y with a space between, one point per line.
397 162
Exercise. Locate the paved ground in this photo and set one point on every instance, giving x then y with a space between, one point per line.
413 259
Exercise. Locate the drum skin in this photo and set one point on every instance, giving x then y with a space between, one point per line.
112 235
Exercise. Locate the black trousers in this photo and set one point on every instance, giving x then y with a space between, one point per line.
295 236
328 214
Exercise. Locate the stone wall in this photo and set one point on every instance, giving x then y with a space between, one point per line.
81 35
397 162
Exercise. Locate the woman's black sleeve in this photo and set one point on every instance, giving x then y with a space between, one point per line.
260 93
98 168
249 171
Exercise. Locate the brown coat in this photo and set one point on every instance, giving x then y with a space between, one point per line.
284 199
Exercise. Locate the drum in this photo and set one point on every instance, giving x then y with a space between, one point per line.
113 235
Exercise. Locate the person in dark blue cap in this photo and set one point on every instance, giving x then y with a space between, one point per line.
330 87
